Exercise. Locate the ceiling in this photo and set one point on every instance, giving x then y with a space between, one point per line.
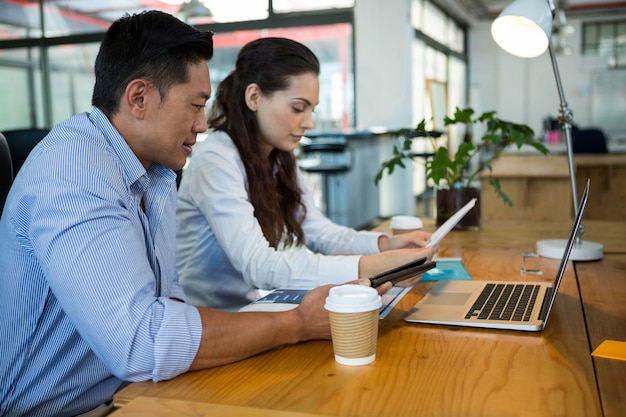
472 10
81 16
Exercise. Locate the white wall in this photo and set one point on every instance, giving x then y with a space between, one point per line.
524 90
384 85
520 90
383 73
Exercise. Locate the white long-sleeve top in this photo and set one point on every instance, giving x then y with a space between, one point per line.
222 256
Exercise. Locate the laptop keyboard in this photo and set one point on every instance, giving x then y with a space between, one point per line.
510 302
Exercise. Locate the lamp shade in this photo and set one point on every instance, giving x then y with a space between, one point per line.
194 8
523 28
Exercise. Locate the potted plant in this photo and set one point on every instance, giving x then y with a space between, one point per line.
457 175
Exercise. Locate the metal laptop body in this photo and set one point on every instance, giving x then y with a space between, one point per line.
451 302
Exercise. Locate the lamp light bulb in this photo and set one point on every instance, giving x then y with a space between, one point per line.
519 36
523 28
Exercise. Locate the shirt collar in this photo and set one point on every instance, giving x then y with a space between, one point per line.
132 166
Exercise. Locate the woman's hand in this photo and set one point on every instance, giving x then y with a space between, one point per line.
370 265
415 239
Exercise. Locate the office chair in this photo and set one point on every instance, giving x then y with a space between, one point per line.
589 140
21 142
6 171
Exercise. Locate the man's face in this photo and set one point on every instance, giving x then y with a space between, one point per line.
171 124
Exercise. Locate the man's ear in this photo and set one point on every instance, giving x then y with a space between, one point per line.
253 96
136 96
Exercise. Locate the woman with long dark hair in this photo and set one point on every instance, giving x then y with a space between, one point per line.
245 220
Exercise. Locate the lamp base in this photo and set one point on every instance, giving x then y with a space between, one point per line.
584 251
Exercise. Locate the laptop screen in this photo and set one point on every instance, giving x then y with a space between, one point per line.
568 247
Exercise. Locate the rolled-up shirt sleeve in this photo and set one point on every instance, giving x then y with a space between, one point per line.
181 331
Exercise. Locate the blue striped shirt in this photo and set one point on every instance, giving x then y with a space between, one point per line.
86 276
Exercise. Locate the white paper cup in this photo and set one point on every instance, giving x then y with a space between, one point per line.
404 224
353 311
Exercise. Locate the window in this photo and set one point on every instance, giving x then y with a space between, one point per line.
48 72
71 79
20 86
434 23
332 44
606 39
289 6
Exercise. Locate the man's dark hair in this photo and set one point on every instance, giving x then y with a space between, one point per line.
152 45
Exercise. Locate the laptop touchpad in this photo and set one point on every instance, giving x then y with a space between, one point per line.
447 298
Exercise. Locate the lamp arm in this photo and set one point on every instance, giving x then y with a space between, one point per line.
566 117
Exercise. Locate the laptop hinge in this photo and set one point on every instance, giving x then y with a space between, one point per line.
546 304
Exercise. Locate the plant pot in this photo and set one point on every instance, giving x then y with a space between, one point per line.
451 200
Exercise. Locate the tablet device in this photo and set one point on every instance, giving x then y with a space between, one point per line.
443 230
402 272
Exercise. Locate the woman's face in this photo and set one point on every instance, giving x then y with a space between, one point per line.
285 115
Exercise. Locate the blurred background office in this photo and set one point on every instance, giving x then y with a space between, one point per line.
385 64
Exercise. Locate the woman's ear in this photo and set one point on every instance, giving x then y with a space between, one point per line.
253 96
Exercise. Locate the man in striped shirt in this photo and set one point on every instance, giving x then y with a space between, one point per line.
89 295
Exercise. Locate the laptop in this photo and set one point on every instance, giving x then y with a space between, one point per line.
513 305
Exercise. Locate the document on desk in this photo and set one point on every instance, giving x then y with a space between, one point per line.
284 299
449 224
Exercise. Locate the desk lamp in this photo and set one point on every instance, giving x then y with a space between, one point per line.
194 8
524 29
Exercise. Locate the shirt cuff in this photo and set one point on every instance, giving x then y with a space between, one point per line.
370 246
338 269
177 341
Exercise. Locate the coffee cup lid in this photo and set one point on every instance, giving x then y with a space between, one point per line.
406 222
352 298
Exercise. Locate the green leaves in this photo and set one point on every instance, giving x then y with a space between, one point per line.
471 158
390 164
398 155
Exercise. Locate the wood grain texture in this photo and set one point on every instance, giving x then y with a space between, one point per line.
424 370
603 290
607 175
524 235
163 407
540 187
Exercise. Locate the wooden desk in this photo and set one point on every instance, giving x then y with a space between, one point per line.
539 187
541 190
163 407
603 291
444 370
607 195
602 285
524 235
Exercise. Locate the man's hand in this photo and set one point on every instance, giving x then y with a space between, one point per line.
314 317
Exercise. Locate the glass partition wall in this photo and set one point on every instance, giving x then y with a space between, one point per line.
48 48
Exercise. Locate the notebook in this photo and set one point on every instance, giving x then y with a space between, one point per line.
514 305
283 299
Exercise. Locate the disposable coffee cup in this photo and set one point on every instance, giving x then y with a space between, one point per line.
353 311
404 224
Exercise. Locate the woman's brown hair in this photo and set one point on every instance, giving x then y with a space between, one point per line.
272 183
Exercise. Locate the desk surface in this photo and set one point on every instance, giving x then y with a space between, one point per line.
603 289
164 407
445 370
